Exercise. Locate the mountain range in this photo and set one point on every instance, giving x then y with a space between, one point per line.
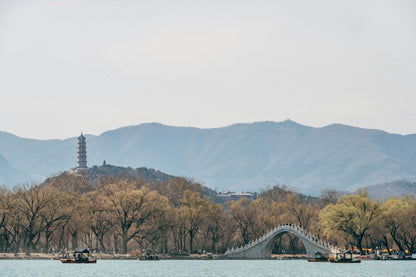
239 157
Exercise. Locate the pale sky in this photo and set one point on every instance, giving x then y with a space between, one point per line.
91 66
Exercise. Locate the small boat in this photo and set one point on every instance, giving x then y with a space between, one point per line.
319 258
148 257
342 258
78 257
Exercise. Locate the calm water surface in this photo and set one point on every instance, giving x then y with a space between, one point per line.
174 268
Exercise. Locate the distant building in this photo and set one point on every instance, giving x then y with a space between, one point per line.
231 195
81 155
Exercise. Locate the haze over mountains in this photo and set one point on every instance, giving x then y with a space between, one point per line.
238 157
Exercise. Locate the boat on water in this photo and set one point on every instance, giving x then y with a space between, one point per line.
319 258
149 257
78 257
343 258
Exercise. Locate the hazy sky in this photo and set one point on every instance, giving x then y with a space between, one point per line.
72 66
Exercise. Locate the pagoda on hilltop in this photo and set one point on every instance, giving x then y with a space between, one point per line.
81 155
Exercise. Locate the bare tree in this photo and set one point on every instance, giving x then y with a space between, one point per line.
131 208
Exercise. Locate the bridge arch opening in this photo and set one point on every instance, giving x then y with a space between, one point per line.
285 243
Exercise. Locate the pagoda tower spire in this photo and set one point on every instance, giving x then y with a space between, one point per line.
82 154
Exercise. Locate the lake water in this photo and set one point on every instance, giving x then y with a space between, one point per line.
186 268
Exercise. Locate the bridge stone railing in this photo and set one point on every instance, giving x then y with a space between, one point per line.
261 247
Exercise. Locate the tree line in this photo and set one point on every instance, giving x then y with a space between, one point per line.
117 215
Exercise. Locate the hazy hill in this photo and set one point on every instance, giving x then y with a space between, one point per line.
397 188
238 157
9 174
38 159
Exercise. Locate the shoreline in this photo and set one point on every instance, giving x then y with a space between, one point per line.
43 256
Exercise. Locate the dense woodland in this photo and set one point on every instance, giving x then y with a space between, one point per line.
117 214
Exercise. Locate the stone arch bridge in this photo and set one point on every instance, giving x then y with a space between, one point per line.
262 247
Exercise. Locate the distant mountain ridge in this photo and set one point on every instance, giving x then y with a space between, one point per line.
9 174
396 188
238 157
